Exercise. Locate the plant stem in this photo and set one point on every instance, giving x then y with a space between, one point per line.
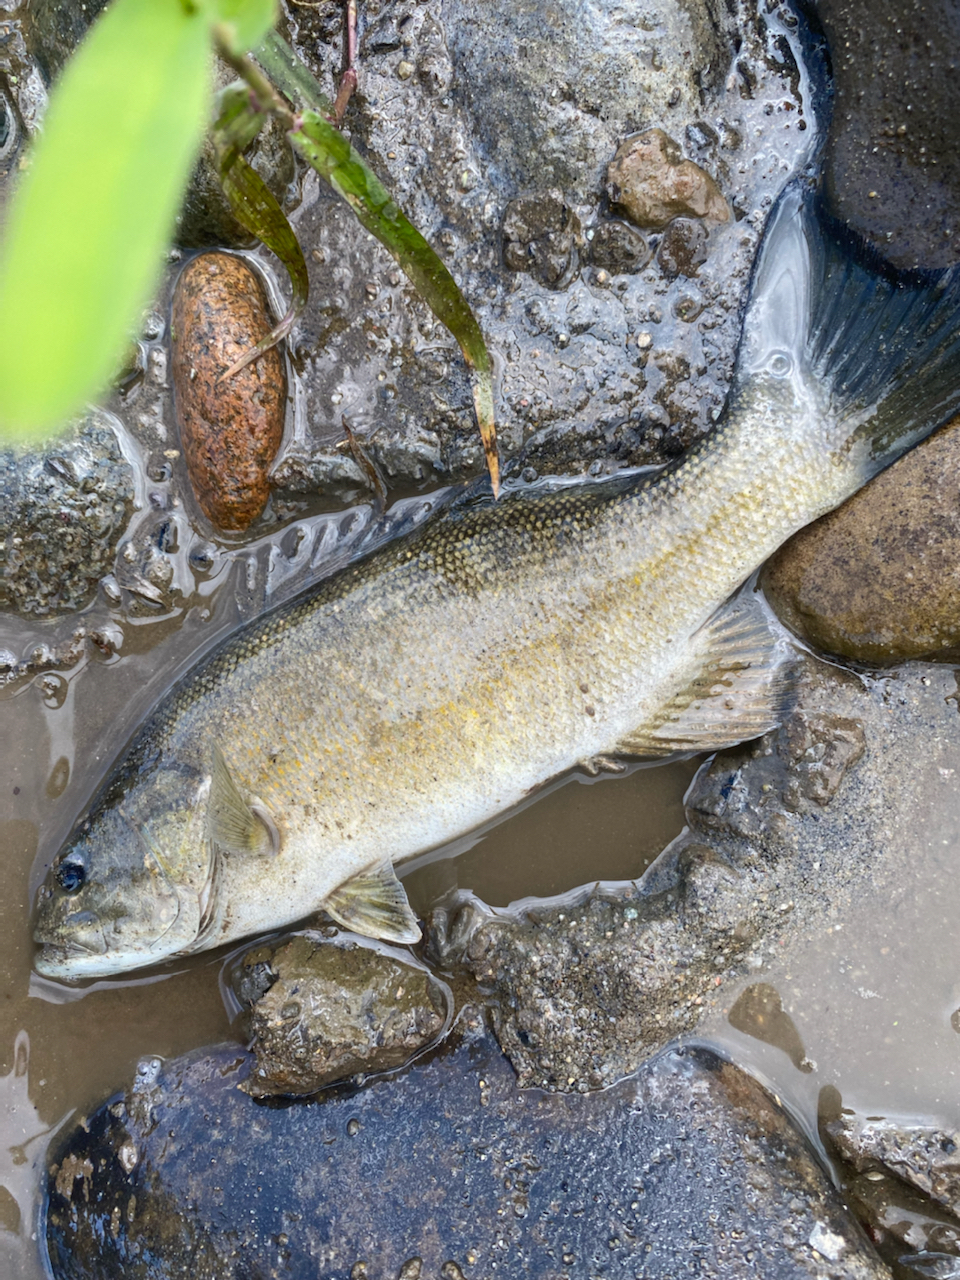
266 95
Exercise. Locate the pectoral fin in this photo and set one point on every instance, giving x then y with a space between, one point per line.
736 687
375 904
234 824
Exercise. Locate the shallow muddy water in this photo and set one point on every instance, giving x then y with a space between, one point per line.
870 1009
62 1050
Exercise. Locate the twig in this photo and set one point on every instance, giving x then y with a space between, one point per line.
368 467
348 81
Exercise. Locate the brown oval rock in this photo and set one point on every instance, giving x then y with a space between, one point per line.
324 1010
651 182
230 431
878 580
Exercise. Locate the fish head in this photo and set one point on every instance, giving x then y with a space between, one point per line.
132 885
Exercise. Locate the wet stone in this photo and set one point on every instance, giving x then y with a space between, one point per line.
925 1157
540 236
447 1170
892 164
325 1009
784 835
618 248
230 430
683 248
473 115
876 580
63 510
652 182
900 1180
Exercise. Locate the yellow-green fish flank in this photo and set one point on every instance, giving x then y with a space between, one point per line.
433 685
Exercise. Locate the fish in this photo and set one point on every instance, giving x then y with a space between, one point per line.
439 680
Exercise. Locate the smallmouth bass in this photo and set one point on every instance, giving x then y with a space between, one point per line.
432 685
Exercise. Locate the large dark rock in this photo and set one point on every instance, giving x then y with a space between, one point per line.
892 165
447 1171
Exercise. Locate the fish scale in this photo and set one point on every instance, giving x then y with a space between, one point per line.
433 685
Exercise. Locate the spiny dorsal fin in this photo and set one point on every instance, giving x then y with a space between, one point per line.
234 824
375 904
735 689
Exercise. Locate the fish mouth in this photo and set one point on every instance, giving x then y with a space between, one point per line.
71 960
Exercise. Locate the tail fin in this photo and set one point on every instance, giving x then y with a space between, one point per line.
888 345
884 347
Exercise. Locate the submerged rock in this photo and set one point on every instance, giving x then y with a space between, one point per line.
925 1157
540 236
783 835
63 510
448 1170
230 430
877 580
652 182
683 248
902 1180
325 1009
617 247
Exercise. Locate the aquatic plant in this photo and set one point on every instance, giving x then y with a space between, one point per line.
88 227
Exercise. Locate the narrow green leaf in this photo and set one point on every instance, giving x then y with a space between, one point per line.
288 73
88 227
255 206
328 151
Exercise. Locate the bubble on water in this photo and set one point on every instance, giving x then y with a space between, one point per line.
53 690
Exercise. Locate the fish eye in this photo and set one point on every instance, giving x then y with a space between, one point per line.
779 364
71 876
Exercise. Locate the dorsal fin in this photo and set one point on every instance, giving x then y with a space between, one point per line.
735 686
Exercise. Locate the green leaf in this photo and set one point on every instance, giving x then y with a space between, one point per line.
255 206
290 75
328 151
241 23
89 225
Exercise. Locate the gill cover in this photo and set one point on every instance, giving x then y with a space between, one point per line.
131 885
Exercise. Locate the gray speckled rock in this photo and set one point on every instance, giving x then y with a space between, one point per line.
63 510
783 834
902 1180
446 1171
325 1008
494 125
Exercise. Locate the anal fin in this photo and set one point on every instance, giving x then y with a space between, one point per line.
375 904
234 824
734 686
